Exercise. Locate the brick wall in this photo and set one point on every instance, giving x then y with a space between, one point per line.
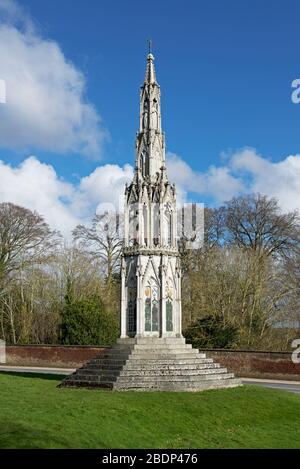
273 365
50 355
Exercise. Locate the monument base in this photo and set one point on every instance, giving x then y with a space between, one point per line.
151 364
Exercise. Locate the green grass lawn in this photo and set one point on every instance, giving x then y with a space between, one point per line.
35 413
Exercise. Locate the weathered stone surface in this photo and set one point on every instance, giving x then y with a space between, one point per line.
157 358
149 364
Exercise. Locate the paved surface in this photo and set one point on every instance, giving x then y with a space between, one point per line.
37 369
291 386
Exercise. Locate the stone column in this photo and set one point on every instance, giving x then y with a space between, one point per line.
174 226
178 302
162 230
163 272
148 234
123 300
139 312
126 225
141 224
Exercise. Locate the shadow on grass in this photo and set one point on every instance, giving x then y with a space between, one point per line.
31 374
14 435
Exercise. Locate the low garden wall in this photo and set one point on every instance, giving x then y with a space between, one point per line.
275 365
59 356
260 364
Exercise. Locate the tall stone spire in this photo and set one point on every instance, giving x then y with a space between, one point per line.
150 144
150 297
151 353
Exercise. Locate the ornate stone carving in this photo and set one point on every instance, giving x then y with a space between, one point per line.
150 251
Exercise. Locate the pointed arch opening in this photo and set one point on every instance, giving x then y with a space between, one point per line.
169 305
168 224
133 228
156 223
145 221
152 306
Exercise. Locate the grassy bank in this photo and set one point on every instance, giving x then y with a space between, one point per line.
35 413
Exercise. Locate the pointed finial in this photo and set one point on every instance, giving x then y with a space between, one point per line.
150 72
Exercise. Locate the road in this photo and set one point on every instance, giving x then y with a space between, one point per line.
37 369
291 386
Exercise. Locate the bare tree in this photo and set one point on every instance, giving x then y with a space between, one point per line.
291 275
25 238
255 222
103 240
247 272
214 226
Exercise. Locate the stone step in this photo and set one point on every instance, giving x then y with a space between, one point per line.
171 373
178 386
194 366
113 358
92 378
148 364
164 352
122 347
164 346
88 384
188 378
86 375
103 366
165 349
160 339
100 363
152 340
157 371
221 376
83 377
154 355
115 354
117 349
96 372
137 361
128 341
184 386
106 361
172 383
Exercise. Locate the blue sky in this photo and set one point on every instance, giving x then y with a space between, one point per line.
225 70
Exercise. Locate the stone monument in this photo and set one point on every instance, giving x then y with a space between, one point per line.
151 353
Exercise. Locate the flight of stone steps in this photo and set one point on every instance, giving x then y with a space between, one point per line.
151 364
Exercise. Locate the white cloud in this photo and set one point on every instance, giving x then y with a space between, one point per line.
244 172
106 184
46 105
37 186
216 182
280 180
13 13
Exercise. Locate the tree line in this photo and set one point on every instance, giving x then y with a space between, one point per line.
241 289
